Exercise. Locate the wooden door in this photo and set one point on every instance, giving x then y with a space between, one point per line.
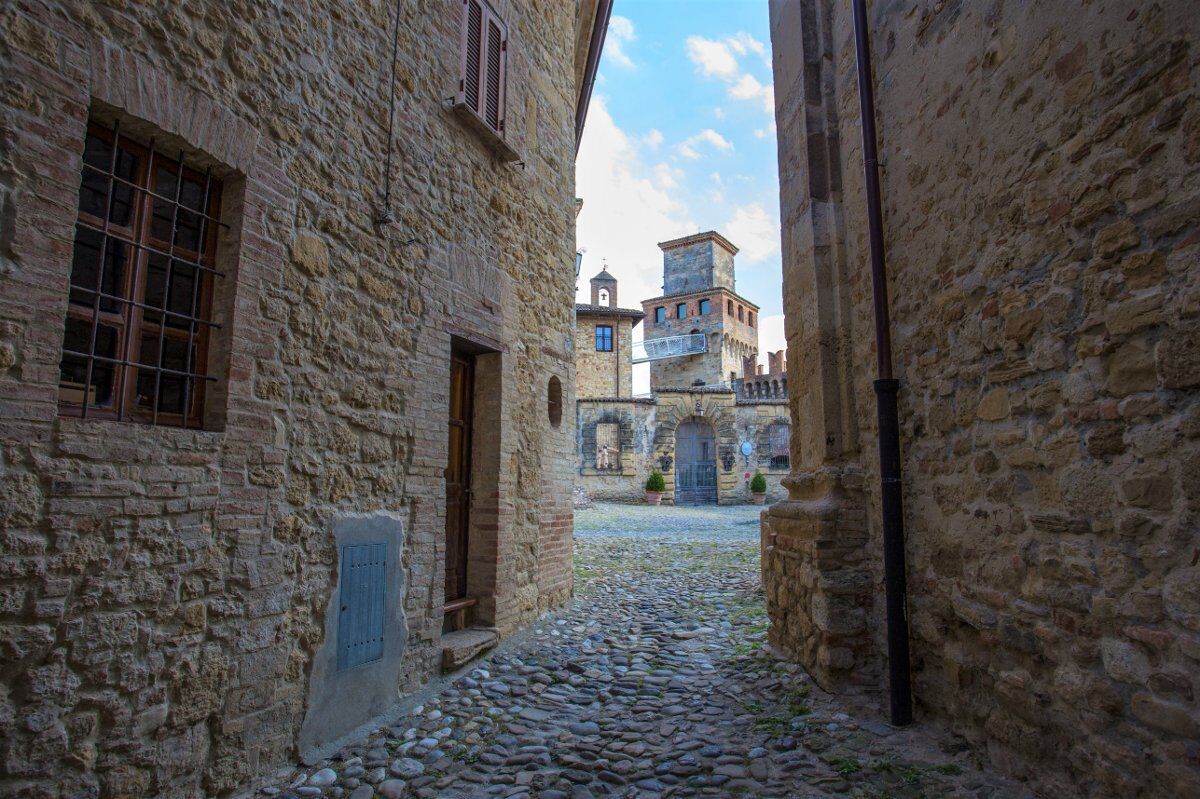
695 464
458 475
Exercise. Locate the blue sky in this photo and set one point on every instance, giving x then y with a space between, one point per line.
680 138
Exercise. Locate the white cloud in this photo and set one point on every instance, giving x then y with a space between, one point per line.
688 149
719 58
620 33
762 133
712 57
719 112
771 337
754 231
743 43
667 176
716 194
653 138
629 206
749 88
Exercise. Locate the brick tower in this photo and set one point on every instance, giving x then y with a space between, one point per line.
699 297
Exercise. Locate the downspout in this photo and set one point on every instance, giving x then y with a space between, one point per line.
595 47
886 390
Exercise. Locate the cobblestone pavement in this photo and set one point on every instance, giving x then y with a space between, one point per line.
654 682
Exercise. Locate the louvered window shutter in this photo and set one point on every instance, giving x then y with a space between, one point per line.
484 56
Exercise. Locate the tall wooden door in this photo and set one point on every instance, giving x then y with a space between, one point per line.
458 475
695 464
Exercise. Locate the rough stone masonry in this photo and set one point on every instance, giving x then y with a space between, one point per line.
164 591
1041 195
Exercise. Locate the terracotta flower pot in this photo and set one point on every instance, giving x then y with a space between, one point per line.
653 497
758 499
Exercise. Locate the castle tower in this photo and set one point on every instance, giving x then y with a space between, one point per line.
699 298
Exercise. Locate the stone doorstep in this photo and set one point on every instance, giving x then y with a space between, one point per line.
462 646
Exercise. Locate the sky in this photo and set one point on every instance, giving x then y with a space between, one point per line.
680 138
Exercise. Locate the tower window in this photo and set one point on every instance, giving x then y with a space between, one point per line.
741 314
705 307
729 309
604 297
604 338
681 311
751 318
660 315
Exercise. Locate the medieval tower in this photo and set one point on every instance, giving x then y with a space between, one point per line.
700 317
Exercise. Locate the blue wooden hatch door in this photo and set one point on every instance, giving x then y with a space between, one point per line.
362 595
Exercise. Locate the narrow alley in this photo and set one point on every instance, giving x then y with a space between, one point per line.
653 682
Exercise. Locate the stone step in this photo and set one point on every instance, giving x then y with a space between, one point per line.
462 646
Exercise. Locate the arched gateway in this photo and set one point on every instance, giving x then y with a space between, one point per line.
695 463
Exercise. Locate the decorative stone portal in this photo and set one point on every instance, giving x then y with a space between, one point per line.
356 672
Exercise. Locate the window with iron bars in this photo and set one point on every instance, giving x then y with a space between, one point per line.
780 436
139 319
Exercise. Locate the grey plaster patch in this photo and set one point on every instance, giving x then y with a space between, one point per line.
339 701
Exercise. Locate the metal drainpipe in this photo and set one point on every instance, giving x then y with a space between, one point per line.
886 390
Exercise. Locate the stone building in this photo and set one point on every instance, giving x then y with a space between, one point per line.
285 372
1041 202
705 427
604 341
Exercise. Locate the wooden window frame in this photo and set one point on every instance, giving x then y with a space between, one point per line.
681 310
603 339
129 320
660 315
705 307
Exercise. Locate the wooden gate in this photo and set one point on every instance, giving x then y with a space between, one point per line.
695 464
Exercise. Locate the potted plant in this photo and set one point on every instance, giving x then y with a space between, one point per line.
758 488
655 486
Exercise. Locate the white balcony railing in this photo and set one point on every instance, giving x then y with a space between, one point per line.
656 349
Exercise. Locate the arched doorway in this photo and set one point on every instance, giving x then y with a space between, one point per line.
695 463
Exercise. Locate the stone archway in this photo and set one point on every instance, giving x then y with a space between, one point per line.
716 408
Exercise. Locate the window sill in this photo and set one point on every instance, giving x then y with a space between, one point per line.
499 147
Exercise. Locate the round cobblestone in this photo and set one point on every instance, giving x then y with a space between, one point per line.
655 681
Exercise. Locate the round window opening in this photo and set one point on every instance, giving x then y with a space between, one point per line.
554 401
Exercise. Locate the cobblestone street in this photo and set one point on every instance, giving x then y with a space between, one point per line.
654 682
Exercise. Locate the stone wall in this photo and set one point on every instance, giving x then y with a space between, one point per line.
1041 190
647 432
163 590
625 481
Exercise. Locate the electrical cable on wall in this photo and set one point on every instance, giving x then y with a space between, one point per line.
385 212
